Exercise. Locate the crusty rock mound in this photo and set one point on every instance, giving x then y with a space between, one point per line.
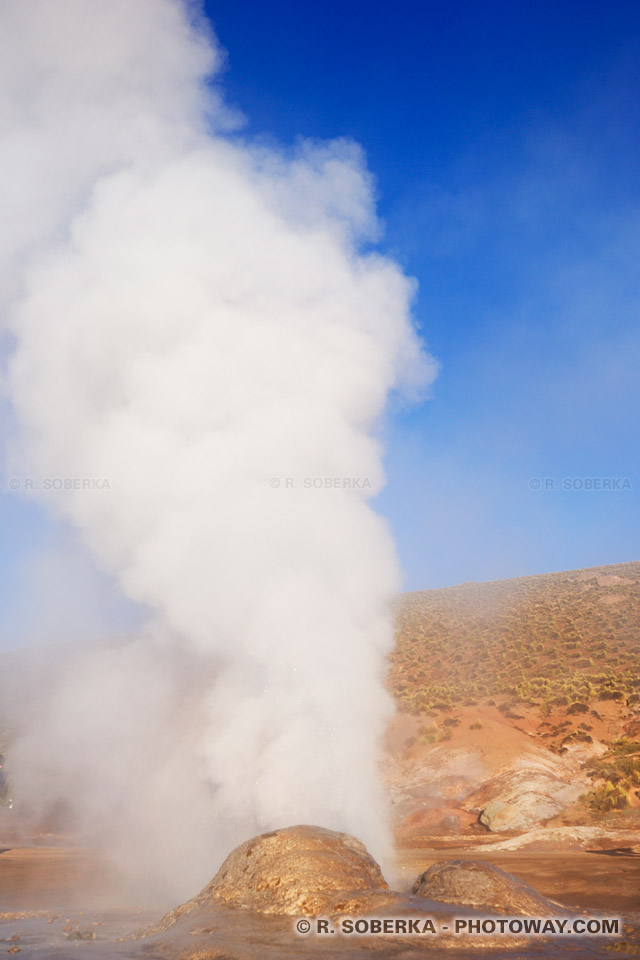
294 871
301 871
474 883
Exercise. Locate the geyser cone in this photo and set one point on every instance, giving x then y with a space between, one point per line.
474 883
301 871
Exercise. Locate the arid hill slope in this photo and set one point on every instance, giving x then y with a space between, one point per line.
533 681
574 634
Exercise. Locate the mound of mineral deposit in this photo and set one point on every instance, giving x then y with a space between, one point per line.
300 871
474 883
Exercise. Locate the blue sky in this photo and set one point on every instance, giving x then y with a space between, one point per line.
504 139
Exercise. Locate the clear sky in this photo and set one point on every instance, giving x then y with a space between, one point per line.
504 140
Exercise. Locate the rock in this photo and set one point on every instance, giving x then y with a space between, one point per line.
295 871
246 911
496 814
300 871
502 817
519 800
474 883
79 934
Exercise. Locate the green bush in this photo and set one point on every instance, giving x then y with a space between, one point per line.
608 797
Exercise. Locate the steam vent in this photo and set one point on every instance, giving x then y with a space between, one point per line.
300 871
246 911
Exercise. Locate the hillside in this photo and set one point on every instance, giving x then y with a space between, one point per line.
537 673
571 635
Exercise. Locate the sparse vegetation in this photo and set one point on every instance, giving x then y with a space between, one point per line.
618 767
560 641
608 796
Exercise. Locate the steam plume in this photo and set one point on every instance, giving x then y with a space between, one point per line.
193 319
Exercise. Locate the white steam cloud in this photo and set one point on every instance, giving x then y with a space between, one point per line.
192 318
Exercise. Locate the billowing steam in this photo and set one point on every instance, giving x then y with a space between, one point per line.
202 351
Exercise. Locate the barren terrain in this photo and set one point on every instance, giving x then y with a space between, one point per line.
516 742
519 712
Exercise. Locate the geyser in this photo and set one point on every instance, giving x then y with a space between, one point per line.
300 871
196 319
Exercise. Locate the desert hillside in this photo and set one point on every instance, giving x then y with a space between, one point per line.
519 704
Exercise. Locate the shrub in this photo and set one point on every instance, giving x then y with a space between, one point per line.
578 707
607 797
